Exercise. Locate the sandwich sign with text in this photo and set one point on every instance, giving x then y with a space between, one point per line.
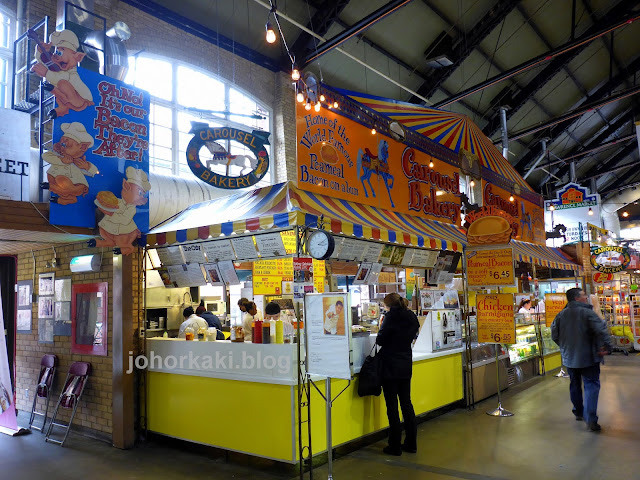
341 158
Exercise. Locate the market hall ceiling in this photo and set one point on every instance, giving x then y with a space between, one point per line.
566 69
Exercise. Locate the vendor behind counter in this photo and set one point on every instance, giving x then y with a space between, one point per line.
212 320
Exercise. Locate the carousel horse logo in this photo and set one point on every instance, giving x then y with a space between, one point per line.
369 164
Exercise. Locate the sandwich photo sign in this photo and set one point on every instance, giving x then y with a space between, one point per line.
98 163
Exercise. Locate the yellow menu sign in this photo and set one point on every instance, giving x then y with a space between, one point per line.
267 285
496 322
490 267
279 267
553 304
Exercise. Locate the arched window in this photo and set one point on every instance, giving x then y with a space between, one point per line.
181 94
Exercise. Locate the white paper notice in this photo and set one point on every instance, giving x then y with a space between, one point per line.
351 250
270 245
376 268
228 272
219 250
213 273
63 290
329 334
371 251
408 255
424 258
244 247
193 253
363 274
338 246
178 275
170 256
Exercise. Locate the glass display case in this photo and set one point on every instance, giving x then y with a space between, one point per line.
527 345
548 345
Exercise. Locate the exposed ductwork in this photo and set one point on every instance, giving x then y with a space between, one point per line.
614 203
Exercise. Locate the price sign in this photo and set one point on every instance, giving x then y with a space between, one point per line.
553 304
267 285
496 322
490 267
281 268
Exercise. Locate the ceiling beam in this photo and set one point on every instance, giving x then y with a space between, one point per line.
616 159
465 44
326 14
360 26
539 60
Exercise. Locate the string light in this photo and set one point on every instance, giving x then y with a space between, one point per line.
316 107
431 164
335 104
300 97
322 97
271 33
590 211
511 198
472 183
373 131
308 105
552 208
625 214
295 74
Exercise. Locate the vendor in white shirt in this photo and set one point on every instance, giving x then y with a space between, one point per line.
193 321
525 307
252 314
332 316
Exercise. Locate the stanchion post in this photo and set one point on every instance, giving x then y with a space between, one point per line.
329 440
499 412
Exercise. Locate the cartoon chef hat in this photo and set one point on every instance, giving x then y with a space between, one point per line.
77 132
138 177
65 38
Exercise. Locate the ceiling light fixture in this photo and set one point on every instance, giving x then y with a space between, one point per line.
625 214
373 131
316 107
472 183
511 198
300 97
295 74
322 97
590 211
335 104
431 164
308 105
552 208
271 33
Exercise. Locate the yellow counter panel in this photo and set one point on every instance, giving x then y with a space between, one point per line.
552 361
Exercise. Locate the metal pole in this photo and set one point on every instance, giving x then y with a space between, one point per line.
505 133
499 412
539 159
329 441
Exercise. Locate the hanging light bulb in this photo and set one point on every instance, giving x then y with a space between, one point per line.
295 74
316 107
625 214
271 33
300 97
308 105
335 104
590 211
431 164
322 97
329 106
511 198
472 183
373 131
552 208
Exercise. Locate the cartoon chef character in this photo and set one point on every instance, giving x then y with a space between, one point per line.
117 228
69 166
70 91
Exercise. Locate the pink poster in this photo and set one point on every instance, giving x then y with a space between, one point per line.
7 408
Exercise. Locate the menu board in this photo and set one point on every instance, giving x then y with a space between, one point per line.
219 250
424 258
398 255
244 248
289 240
270 245
228 272
363 274
280 267
213 274
496 320
385 254
371 251
351 250
339 241
439 299
267 285
187 275
170 255
554 303
408 256
193 253
328 328
490 267
376 268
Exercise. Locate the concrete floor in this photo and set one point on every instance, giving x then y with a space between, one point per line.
542 441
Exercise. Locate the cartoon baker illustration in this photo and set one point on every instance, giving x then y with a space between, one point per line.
117 228
69 166
70 91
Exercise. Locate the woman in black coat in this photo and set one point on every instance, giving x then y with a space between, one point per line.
399 329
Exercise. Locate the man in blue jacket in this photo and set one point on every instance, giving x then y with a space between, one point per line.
583 339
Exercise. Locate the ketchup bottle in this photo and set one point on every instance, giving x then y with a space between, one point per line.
257 332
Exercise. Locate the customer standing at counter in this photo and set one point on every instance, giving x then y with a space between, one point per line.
398 331
191 320
252 314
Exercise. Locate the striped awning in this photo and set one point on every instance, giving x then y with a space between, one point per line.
454 131
543 256
284 205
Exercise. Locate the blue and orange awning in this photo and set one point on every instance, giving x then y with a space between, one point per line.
544 256
282 206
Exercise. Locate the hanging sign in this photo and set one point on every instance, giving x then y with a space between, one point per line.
553 305
610 259
572 195
270 245
221 169
490 225
496 320
490 267
597 235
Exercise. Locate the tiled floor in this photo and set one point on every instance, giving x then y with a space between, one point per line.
541 441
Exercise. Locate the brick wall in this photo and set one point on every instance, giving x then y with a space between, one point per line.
94 411
157 37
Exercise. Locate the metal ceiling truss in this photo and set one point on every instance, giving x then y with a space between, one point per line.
358 27
617 158
516 100
620 179
326 14
465 44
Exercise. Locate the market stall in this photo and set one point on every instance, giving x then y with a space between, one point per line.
258 244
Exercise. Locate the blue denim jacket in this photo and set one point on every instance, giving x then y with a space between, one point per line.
580 333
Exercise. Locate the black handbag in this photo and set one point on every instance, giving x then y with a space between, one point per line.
370 378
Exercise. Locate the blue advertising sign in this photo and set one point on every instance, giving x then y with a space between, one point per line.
99 158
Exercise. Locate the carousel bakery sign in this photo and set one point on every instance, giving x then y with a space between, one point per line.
610 259
219 168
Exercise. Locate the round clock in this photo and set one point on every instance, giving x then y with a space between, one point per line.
320 244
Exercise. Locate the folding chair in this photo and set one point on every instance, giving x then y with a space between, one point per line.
48 366
70 397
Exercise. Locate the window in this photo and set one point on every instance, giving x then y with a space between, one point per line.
7 24
181 94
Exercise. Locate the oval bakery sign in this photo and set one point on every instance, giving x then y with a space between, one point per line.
210 161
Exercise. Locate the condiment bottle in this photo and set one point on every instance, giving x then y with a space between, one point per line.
266 332
188 333
279 331
202 334
257 331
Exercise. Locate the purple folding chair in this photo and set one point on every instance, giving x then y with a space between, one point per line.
44 388
70 397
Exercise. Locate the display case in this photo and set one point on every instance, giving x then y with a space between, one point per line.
548 345
634 310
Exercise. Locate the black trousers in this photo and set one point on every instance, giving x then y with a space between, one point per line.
394 390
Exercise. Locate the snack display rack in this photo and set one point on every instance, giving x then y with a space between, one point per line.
618 308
